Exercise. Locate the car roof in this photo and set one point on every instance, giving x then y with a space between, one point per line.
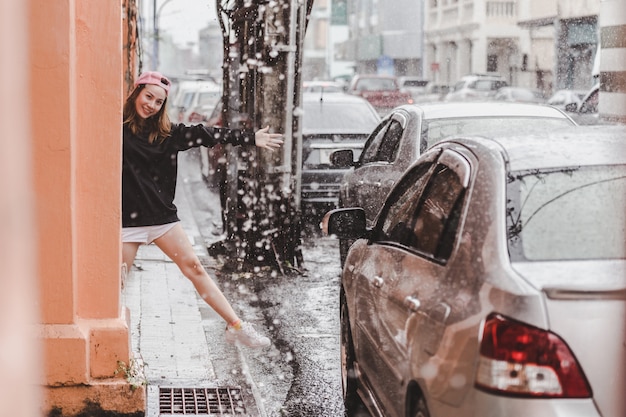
447 110
333 100
567 147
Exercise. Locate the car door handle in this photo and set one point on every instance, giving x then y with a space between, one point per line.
412 303
378 281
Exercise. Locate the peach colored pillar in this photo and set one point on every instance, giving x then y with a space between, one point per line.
76 81
19 355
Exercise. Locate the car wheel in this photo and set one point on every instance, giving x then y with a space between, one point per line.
419 408
348 373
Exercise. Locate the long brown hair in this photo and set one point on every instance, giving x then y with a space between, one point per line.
157 127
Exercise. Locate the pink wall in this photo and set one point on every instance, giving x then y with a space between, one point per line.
76 86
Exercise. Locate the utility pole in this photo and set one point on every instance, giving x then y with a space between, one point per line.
156 14
262 80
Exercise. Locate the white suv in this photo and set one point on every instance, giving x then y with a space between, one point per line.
476 86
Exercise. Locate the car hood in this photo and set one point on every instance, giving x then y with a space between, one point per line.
586 306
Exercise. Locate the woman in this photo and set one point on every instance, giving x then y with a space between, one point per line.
149 171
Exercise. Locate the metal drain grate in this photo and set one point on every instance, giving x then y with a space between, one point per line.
201 401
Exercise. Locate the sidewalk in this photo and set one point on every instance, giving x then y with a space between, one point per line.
180 339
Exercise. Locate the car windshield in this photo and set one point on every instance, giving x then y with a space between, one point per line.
326 117
209 97
567 214
437 130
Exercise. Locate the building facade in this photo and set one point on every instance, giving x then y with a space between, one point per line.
384 39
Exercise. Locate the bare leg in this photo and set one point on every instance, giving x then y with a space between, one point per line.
176 245
129 251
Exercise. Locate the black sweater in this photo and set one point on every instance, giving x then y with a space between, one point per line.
149 170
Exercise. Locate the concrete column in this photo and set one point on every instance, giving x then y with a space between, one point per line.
76 71
612 104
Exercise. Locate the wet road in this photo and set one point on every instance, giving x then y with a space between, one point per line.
299 376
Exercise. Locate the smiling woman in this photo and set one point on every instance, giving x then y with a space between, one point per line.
151 144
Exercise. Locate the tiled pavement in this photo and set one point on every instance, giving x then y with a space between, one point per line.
174 333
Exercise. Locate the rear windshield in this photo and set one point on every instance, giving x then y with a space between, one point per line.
439 129
567 214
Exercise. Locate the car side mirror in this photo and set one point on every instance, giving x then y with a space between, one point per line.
571 107
346 223
342 158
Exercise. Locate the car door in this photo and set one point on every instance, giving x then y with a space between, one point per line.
416 237
377 272
373 177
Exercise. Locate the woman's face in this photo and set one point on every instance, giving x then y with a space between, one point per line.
150 100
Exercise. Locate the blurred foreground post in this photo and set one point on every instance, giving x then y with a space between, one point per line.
20 358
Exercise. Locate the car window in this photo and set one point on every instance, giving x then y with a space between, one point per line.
436 130
209 98
373 142
388 149
427 221
567 214
187 98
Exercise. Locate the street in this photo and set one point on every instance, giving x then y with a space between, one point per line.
300 374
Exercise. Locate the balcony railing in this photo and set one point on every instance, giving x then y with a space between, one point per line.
501 9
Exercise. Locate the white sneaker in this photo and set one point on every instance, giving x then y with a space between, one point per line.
246 336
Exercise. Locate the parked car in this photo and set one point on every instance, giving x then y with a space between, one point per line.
519 95
586 112
476 86
382 91
329 123
191 96
432 93
493 282
562 98
199 102
406 132
414 85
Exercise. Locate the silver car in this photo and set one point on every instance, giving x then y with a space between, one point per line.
405 133
493 282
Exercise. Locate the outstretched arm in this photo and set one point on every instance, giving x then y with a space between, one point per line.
266 140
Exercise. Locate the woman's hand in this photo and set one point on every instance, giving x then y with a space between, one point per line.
269 141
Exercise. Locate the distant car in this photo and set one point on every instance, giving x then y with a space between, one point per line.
322 87
414 85
493 274
409 130
519 95
198 102
476 87
330 122
382 91
432 93
563 98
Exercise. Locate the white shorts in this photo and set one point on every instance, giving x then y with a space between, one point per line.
145 234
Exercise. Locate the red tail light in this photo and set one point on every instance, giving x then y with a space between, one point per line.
521 360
